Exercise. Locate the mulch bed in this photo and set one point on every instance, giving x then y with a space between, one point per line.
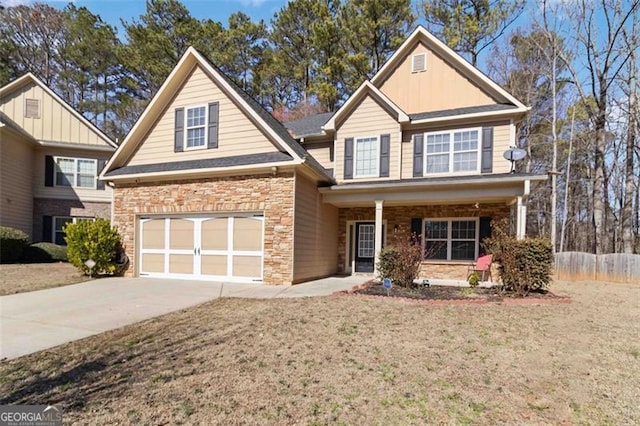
450 295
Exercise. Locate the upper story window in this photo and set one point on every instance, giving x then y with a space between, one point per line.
76 172
455 151
196 134
32 108
419 62
451 239
367 156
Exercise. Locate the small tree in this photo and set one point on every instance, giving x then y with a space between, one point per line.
401 260
92 240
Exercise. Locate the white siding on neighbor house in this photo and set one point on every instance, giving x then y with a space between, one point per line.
16 156
55 124
439 87
237 134
65 192
368 118
321 151
315 233
501 142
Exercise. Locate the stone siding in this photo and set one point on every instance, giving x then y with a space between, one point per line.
73 208
399 218
272 195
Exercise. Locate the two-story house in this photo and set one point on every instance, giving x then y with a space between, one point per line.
50 158
208 185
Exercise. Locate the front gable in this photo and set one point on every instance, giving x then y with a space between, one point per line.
28 104
435 87
220 128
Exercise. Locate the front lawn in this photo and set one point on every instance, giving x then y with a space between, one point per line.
351 360
19 278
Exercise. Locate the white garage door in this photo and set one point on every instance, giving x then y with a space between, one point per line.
214 248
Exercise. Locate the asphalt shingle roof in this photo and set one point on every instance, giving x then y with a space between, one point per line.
461 111
308 126
209 163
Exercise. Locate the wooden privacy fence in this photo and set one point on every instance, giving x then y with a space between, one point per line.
617 267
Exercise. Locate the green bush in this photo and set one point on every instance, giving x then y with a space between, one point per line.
401 260
524 265
12 243
44 252
95 240
474 279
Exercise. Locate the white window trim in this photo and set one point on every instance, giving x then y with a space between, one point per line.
186 127
355 156
74 219
449 233
74 184
413 63
452 152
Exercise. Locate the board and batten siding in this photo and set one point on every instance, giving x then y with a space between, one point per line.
55 124
368 118
65 192
16 183
321 151
439 87
315 230
237 134
501 142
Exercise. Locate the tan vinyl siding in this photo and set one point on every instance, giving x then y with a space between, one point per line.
16 182
440 87
55 123
315 233
322 152
237 134
65 192
368 118
501 141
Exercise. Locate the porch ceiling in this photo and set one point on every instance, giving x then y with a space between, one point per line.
425 192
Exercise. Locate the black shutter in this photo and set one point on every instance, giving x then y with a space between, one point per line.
49 167
348 158
100 184
416 228
487 150
418 155
214 108
47 228
178 143
385 146
485 232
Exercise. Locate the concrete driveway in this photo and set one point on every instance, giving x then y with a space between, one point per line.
30 322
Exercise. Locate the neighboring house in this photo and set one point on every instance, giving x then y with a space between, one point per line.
50 157
208 185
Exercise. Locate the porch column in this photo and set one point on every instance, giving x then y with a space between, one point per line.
378 240
521 218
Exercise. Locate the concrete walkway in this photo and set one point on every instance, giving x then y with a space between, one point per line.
30 322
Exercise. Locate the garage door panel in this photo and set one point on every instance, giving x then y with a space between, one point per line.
214 265
152 263
214 234
247 266
181 234
247 234
153 234
181 264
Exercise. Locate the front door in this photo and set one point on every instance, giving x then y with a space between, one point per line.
365 246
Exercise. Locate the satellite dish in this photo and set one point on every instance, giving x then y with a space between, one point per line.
514 154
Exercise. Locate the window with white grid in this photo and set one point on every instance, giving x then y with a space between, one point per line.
455 151
366 157
76 172
451 239
196 127
366 240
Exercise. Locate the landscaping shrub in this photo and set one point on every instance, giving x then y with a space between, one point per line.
401 260
95 240
44 252
524 265
12 244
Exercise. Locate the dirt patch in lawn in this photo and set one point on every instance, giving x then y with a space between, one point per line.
37 276
354 361
443 293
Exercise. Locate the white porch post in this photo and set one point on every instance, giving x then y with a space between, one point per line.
521 218
378 240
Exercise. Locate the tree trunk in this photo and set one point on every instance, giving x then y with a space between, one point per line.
627 208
